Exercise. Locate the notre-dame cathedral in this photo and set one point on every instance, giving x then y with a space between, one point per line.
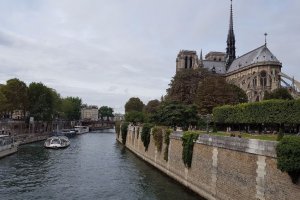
255 72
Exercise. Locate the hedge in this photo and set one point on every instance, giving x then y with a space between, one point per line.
269 112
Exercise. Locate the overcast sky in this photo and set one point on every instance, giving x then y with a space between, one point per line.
108 51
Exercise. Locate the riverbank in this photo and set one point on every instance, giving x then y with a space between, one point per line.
222 167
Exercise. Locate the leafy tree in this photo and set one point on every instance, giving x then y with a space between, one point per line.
16 95
41 102
3 100
176 114
184 85
279 93
214 91
71 107
106 111
152 106
57 103
135 117
288 156
134 104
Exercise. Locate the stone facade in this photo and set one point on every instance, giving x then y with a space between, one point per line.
89 113
255 72
223 168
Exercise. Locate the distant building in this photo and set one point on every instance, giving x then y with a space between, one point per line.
119 117
89 113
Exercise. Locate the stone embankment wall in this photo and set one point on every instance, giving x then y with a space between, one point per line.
222 168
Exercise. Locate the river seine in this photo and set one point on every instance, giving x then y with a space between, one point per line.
95 166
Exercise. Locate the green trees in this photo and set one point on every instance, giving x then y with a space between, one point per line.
105 111
135 117
288 156
134 104
134 111
176 114
71 108
280 93
15 96
37 100
41 103
214 91
204 89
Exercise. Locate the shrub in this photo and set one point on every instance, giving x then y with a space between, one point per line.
188 140
288 156
167 142
145 135
157 133
124 129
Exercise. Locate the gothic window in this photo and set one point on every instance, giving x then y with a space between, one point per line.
254 81
185 62
263 79
191 62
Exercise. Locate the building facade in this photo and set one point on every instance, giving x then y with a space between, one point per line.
255 72
89 113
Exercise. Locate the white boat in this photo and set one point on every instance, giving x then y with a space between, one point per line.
7 145
57 142
81 129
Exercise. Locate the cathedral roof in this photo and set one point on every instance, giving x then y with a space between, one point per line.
217 66
261 54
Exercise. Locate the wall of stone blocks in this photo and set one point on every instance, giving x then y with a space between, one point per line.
222 167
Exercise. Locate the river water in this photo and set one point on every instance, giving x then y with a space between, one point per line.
94 166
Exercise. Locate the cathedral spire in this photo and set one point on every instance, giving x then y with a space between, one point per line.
230 50
201 59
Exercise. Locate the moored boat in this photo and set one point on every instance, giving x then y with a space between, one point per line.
81 129
57 142
7 145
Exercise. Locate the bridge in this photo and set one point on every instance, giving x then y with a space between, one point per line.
98 125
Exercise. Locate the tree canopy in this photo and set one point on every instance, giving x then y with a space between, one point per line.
152 106
71 107
279 93
134 104
41 104
214 91
204 89
105 111
171 113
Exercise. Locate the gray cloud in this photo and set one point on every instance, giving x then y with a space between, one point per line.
107 51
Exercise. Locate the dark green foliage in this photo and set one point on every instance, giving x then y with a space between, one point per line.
184 85
41 102
279 93
167 142
145 136
15 96
124 129
176 114
134 104
135 117
71 107
152 106
270 111
214 91
106 112
188 140
118 128
157 133
288 156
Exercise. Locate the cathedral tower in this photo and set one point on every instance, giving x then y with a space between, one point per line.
230 50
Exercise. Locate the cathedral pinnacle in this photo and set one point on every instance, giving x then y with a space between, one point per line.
230 50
